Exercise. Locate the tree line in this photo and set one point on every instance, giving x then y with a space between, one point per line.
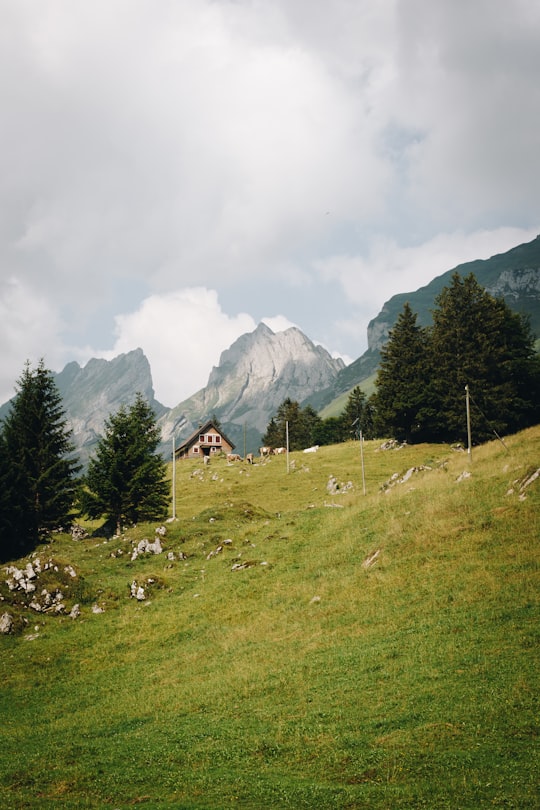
475 340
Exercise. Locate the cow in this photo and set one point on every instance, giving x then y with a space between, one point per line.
249 458
265 451
280 450
312 449
233 457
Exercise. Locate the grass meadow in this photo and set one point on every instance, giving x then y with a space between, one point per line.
301 650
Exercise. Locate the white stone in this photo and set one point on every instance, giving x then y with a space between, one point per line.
6 623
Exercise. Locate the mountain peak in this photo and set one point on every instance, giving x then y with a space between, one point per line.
255 374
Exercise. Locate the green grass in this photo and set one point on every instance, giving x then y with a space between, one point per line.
338 405
306 679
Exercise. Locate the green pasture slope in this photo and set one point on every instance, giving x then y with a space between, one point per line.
341 651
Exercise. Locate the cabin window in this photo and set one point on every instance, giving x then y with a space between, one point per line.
195 449
209 438
201 438
218 439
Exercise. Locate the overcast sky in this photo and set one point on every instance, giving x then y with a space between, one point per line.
172 172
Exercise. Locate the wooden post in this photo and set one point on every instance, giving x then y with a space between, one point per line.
468 407
362 457
173 479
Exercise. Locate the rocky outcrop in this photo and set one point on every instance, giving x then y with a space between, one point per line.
41 586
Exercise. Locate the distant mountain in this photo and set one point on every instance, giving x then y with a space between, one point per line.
513 276
93 393
252 379
262 368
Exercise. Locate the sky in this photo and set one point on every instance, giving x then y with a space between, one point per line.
174 172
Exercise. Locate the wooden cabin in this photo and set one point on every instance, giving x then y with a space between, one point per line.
207 440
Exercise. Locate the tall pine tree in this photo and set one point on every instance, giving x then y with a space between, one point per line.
402 401
356 418
126 479
38 471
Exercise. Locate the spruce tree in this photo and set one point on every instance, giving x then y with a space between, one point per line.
304 426
126 479
309 427
480 342
38 471
402 400
354 417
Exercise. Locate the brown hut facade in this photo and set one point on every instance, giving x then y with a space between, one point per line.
207 440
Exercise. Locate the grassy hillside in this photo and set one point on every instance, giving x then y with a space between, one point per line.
341 651
338 405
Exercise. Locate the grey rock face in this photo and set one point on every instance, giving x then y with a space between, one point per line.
92 394
253 377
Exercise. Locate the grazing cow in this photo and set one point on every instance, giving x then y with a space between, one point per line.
265 451
249 458
233 457
312 449
279 450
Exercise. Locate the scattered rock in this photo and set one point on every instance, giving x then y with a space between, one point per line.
241 566
6 623
522 484
392 444
371 559
333 487
397 479
137 591
78 532
463 476
146 547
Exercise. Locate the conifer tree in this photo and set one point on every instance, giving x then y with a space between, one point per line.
308 428
402 401
126 479
356 417
38 470
480 342
304 425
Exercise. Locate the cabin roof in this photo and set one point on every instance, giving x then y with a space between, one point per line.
203 429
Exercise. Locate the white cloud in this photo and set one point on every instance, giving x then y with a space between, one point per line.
390 269
182 334
279 323
233 146
29 330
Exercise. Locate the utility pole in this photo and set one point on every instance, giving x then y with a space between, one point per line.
468 406
173 479
287 442
362 457
360 438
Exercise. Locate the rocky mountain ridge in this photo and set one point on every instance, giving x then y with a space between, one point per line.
260 369
252 379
